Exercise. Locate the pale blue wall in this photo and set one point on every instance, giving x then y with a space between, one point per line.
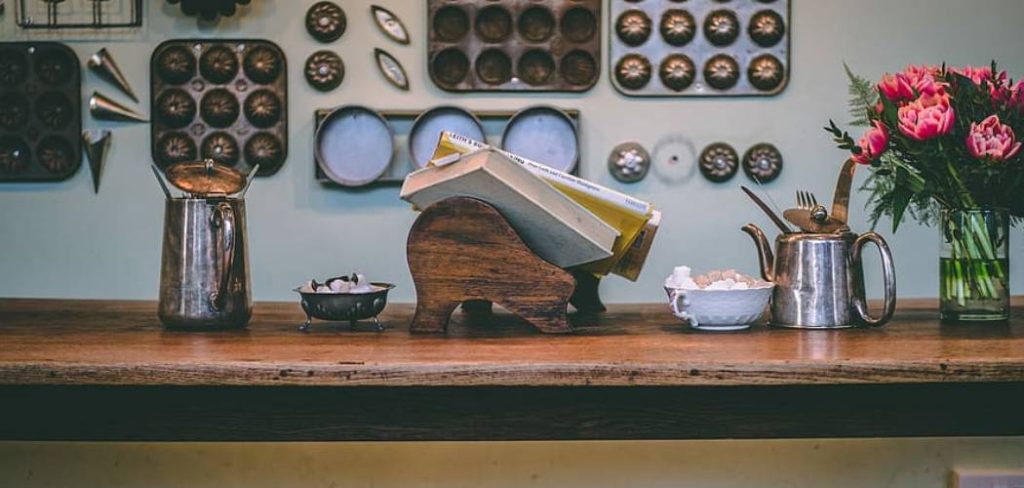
60 240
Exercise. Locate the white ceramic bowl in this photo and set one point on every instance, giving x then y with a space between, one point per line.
720 310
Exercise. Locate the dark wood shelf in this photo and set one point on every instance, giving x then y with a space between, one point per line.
105 370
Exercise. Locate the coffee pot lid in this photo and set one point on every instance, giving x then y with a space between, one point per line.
205 178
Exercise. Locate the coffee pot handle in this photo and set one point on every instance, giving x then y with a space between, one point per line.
224 217
888 273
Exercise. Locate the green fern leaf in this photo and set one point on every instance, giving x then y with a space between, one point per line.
863 98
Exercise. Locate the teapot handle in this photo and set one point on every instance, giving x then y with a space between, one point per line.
224 216
889 275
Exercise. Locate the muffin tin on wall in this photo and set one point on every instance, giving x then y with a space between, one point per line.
514 45
699 48
223 99
40 111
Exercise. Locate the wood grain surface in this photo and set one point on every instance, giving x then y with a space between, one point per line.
51 342
462 249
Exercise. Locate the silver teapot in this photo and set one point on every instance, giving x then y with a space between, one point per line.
204 273
819 279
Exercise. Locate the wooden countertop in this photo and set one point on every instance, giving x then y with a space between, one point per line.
57 342
102 370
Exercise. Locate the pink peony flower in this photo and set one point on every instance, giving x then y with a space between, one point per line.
991 140
896 88
927 85
927 117
923 77
874 142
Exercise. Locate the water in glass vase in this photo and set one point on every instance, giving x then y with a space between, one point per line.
974 290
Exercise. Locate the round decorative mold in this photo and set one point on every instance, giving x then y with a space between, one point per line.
677 27
677 72
264 149
55 67
721 72
633 27
13 67
176 65
54 110
766 28
633 71
14 155
262 64
263 108
176 147
324 70
326 21
176 108
56 154
719 162
762 162
766 72
721 27
219 64
220 147
14 111
219 107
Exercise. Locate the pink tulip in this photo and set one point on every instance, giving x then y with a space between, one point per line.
991 140
896 88
927 117
874 142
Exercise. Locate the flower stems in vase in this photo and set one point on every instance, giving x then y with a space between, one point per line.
974 265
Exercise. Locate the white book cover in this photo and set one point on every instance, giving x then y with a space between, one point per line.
558 229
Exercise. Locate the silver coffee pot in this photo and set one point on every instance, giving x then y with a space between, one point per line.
819 279
204 273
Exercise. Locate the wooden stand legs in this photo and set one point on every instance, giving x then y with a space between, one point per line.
462 249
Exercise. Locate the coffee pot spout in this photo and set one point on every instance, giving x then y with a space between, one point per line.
764 251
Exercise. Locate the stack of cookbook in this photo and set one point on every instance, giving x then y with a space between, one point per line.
564 219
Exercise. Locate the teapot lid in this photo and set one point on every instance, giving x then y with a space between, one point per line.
205 178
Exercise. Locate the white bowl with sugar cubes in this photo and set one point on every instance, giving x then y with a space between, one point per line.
718 300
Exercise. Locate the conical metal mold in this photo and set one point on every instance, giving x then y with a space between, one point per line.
103 108
96 149
102 63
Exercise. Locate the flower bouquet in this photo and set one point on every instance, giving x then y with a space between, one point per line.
942 145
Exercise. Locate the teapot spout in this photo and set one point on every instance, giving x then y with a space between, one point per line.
764 251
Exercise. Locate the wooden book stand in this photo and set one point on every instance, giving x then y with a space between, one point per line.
462 249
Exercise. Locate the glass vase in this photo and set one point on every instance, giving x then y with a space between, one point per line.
974 266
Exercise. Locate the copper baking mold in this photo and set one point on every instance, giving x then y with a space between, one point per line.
40 112
762 162
401 122
699 48
514 45
223 99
